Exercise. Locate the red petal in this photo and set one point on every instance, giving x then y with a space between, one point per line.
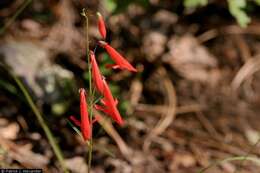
96 75
100 108
114 113
117 57
97 118
110 104
101 26
108 98
75 121
116 102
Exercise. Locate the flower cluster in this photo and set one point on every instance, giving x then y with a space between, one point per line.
108 102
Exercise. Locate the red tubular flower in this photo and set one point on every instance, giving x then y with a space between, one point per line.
96 75
120 61
75 121
86 128
78 123
109 105
101 26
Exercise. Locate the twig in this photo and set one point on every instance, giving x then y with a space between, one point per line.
161 109
228 30
18 12
108 127
247 155
208 126
253 159
247 70
243 47
169 116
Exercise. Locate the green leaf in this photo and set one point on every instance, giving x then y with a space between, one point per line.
59 108
116 6
236 8
257 2
195 3
105 60
75 128
110 5
8 86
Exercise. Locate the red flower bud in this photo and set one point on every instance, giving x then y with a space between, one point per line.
120 61
96 75
101 26
86 127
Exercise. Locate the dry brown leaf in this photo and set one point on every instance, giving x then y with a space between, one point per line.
247 70
153 45
182 159
10 131
23 154
165 17
190 59
76 164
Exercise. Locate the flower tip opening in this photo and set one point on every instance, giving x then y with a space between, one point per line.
102 43
101 26
99 14
133 70
82 91
91 52
121 122
92 56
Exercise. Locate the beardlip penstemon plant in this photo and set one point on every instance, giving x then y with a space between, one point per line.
108 104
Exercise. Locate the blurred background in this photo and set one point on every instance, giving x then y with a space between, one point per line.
194 101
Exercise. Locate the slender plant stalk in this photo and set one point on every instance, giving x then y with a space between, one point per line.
247 155
17 13
238 158
90 90
43 124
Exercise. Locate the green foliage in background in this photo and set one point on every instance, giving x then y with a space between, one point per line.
116 6
194 3
236 8
257 2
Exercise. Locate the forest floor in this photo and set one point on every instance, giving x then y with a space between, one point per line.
194 101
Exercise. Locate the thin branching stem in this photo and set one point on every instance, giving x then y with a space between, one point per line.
90 90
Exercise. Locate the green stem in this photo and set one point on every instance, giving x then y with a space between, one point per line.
18 12
90 154
91 89
43 124
247 155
